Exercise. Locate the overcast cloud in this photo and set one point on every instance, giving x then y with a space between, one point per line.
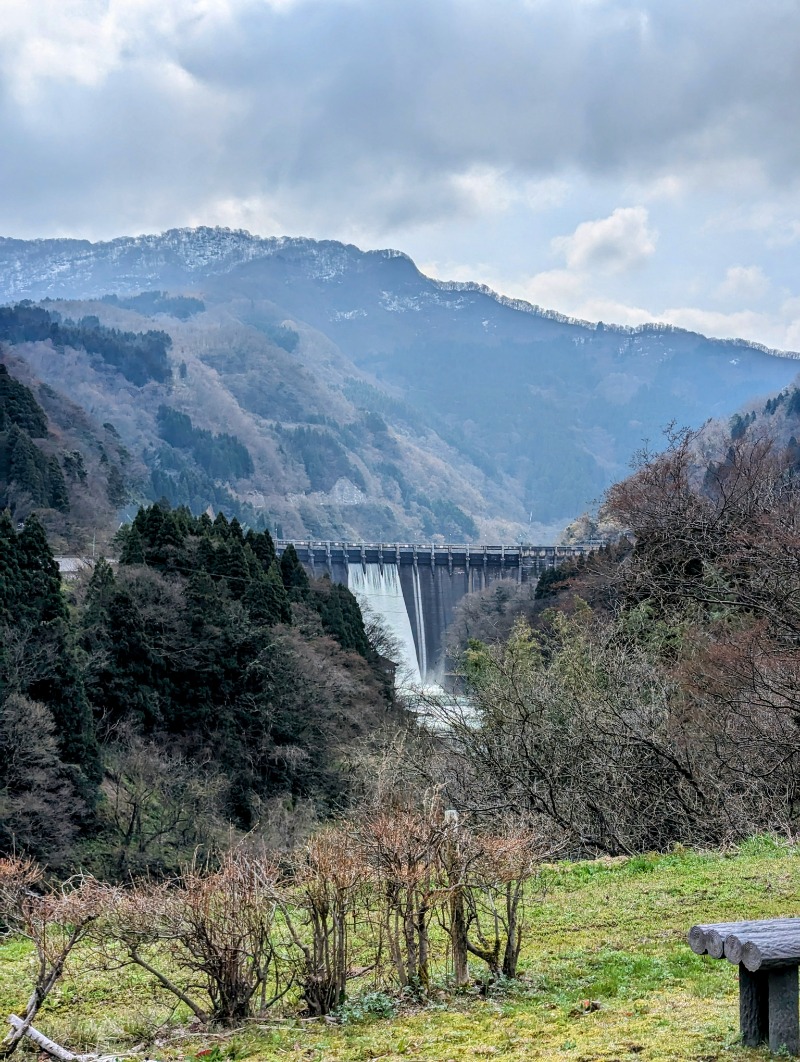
630 159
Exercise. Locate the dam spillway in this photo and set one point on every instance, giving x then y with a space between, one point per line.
415 589
378 586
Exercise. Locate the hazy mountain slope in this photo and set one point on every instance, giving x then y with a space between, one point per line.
495 407
74 472
241 424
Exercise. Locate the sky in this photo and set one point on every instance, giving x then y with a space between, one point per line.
616 160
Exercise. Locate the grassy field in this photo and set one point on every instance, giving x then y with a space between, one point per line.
607 975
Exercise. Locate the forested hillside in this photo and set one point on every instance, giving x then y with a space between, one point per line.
54 460
199 687
652 690
222 414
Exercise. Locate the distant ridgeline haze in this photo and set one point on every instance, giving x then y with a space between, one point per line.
330 393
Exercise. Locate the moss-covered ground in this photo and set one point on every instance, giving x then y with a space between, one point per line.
607 974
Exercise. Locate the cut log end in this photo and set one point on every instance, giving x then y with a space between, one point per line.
715 944
697 940
733 949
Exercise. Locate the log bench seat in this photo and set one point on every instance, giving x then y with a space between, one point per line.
767 953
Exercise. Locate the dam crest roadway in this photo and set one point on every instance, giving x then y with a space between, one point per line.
526 560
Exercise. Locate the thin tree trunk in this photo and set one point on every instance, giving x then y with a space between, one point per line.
169 985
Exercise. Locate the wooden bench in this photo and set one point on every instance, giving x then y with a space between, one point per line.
767 953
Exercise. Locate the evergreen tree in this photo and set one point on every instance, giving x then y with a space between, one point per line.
10 575
221 526
128 683
27 466
237 572
294 575
57 681
262 545
341 617
42 600
166 550
58 496
18 406
267 600
132 547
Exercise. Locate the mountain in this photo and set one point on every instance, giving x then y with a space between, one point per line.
55 460
373 402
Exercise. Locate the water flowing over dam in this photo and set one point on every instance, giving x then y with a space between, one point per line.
415 589
378 586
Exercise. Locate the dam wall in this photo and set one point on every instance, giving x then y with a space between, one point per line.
415 589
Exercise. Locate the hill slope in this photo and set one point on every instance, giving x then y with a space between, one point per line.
378 403
56 460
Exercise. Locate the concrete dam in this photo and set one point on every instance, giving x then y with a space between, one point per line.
415 589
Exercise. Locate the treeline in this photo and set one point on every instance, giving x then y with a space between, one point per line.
139 356
181 693
222 456
648 695
150 303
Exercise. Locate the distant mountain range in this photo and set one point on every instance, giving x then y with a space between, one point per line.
372 401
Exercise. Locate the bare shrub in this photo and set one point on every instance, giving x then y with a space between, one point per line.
496 894
215 925
54 918
403 849
326 895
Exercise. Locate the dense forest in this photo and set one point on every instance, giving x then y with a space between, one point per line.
139 356
196 687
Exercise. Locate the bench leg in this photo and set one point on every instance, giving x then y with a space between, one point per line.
753 1007
784 1028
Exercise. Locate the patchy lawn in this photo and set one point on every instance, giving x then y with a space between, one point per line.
607 974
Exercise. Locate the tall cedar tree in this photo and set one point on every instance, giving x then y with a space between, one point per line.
33 607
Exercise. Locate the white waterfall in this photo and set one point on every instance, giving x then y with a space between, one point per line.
379 587
419 615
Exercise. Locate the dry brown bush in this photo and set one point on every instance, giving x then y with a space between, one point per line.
54 917
217 927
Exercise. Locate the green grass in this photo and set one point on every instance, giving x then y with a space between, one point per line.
607 976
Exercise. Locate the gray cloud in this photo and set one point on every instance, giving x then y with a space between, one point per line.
367 111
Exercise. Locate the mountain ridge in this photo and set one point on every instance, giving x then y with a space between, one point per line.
228 241
331 364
